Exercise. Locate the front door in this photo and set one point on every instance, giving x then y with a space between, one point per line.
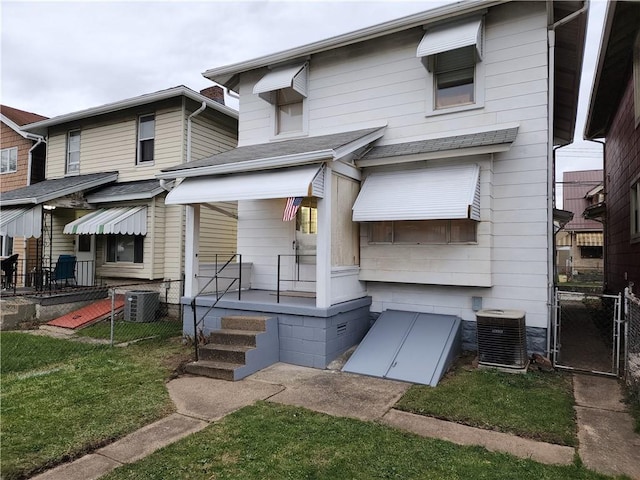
86 259
304 242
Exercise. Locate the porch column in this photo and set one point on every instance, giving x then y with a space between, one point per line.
323 247
191 249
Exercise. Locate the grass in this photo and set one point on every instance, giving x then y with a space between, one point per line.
283 442
537 405
61 399
129 331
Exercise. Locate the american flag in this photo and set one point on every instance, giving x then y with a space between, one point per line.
290 210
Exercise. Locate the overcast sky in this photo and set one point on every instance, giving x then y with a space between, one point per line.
60 57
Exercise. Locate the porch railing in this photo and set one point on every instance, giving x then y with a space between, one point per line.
297 272
31 275
215 280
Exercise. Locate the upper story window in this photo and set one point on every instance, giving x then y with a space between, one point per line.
9 160
286 89
452 54
73 152
146 138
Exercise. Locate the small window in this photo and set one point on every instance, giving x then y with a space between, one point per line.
84 243
590 252
454 77
73 151
307 216
146 138
635 212
9 160
423 232
288 113
125 248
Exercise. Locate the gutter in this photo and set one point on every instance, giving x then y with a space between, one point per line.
551 149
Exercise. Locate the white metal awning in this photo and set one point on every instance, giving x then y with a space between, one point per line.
282 183
291 77
446 38
432 193
117 220
21 222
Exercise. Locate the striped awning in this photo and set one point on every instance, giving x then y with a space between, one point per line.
563 239
21 222
431 193
117 220
590 239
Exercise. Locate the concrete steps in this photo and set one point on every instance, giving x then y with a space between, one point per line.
243 345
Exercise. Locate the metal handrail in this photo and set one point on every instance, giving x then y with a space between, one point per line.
238 279
292 280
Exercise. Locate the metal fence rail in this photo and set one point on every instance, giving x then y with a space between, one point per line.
632 345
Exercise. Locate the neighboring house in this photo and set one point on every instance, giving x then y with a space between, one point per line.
101 201
614 115
580 242
22 163
422 152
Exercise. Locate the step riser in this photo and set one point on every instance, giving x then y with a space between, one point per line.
221 355
233 339
256 324
218 373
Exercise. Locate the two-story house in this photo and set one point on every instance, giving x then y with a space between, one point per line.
614 115
407 166
101 202
580 243
22 163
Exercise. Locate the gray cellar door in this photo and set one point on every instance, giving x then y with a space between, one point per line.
408 346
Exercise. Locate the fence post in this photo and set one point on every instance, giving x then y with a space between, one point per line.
113 314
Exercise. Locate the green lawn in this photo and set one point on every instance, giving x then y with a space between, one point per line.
267 441
61 399
536 405
129 331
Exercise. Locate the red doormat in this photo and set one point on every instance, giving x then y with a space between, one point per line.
89 315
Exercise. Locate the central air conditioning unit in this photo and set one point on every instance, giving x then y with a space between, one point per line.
141 305
502 339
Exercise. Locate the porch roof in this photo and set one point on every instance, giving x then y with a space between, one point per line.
59 187
21 222
120 192
279 154
282 183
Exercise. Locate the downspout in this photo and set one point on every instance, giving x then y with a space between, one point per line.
25 241
197 112
551 37
604 219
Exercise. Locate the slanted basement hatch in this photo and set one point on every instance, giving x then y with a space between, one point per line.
408 346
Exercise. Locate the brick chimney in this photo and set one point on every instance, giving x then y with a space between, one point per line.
214 93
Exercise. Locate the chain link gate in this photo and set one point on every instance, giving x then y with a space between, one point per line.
587 332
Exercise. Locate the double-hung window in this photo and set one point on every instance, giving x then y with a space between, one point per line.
285 88
452 55
73 152
9 160
146 138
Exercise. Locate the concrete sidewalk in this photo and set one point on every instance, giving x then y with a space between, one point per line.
200 401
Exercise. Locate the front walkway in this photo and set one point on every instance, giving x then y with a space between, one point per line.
200 401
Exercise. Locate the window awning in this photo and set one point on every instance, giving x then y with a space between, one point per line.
446 38
21 222
432 193
591 239
118 220
293 78
282 183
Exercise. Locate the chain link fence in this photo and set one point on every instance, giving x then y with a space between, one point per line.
632 348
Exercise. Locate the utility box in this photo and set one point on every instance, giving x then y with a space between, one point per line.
502 339
141 305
